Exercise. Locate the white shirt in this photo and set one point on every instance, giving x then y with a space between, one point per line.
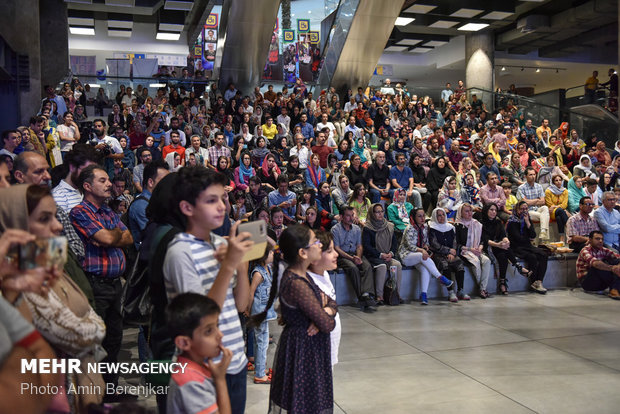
66 197
303 154
348 107
181 135
330 139
112 143
68 131
284 120
325 284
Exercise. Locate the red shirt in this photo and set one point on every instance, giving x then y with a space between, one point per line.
323 151
169 148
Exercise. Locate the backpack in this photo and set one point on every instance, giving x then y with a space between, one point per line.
390 291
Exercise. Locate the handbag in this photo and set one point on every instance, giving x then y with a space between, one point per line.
390 290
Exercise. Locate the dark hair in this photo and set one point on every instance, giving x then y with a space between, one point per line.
99 120
490 173
185 311
486 208
593 232
275 210
80 154
325 237
317 221
87 176
150 171
194 180
6 132
282 178
347 208
292 239
582 200
255 180
414 211
506 184
141 151
36 119
34 195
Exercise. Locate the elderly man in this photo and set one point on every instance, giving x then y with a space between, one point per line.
532 193
598 268
608 219
378 177
580 225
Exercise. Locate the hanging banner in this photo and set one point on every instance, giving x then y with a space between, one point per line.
273 66
289 35
309 57
303 25
212 21
209 45
314 37
290 62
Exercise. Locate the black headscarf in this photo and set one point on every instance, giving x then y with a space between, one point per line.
436 176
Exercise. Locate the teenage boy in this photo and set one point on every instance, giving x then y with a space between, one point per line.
202 262
201 387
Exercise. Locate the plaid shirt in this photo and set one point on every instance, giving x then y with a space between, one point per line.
214 154
525 191
578 226
588 256
99 260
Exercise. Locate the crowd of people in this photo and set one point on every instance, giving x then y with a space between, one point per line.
369 182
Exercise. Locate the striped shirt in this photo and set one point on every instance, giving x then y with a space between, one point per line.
66 196
191 266
192 391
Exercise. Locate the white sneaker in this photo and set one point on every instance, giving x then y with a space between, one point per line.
453 297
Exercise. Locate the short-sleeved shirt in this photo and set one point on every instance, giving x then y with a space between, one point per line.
577 225
66 197
379 176
276 198
99 260
589 255
402 177
347 240
192 391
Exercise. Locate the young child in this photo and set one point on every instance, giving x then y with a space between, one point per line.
360 203
318 271
239 210
260 285
193 323
511 200
305 200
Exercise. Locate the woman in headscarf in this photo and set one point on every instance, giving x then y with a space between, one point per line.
512 170
269 171
470 193
259 152
343 152
174 161
398 211
549 170
327 210
281 150
567 155
584 168
360 149
449 197
386 147
443 243
59 308
497 246
466 166
436 178
355 172
244 172
314 174
414 250
520 230
556 199
425 156
575 192
379 242
342 192
562 132
224 168
469 237
295 175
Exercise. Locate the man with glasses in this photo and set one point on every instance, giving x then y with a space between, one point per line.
608 219
580 225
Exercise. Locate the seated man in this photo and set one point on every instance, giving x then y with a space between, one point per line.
598 268
491 193
285 199
608 219
580 225
533 194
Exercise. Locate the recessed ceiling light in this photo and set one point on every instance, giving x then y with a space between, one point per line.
496 15
168 36
408 42
420 50
403 21
81 21
466 13
443 24
86 31
420 8
119 33
94 85
157 85
171 27
435 43
395 48
473 27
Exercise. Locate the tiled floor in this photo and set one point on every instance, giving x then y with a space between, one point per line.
558 353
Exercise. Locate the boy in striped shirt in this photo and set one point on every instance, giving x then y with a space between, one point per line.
202 262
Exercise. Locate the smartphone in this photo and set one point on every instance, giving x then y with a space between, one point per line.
45 253
258 230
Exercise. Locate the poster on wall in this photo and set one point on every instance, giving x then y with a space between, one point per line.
309 56
84 65
290 63
273 66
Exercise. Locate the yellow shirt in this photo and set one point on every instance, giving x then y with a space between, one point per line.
510 202
269 133
591 83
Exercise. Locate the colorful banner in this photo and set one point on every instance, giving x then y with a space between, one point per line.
289 35
273 66
303 25
314 37
290 63
209 45
213 21
309 58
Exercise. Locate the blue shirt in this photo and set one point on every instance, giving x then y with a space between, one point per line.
484 170
402 177
609 223
306 129
276 198
137 216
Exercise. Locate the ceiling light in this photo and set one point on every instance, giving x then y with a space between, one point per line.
408 42
420 8
120 24
503 68
157 85
309 11
435 43
496 15
121 3
443 24
403 21
119 33
94 85
420 50
178 5
395 48
168 36
86 31
537 70
81 21
473 27
466 13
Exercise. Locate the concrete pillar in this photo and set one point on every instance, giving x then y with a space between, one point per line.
480 60
54 36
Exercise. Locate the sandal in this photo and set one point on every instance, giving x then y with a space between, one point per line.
250 366
524 271
267 380
484 294
503 287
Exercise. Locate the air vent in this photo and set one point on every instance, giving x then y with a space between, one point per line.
23 73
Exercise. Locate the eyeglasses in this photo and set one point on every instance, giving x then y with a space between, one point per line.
588 204
317 241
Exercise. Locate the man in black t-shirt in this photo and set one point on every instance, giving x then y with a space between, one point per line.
378 175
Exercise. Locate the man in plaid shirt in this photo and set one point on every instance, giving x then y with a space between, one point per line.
218 150
598 267
103 235
580 224
533 194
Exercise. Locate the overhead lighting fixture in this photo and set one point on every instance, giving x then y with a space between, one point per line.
81 21
443 24
121 3
178 5
395 48
85 31
435 43
157 85
94 85
119 32
167 36
420 50
420 8
473 27
503 68
403 21
496 15
408 42
466 13
537 70
171 27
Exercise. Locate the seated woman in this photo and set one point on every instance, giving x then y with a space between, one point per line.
311 219
364 153
269 172
442 240
469 237
387 149
356 173
520 233
260 152
295 175
575 192
342 193
304 201
314 174
470 193
398 211
449 197
497 245
379 242
333 169
512 170
414 249
360 203
61 312
327 210
436 178
549 170
556 199
584 168
244 172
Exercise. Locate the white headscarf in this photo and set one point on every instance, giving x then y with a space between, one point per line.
586 170
474 228
440 227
